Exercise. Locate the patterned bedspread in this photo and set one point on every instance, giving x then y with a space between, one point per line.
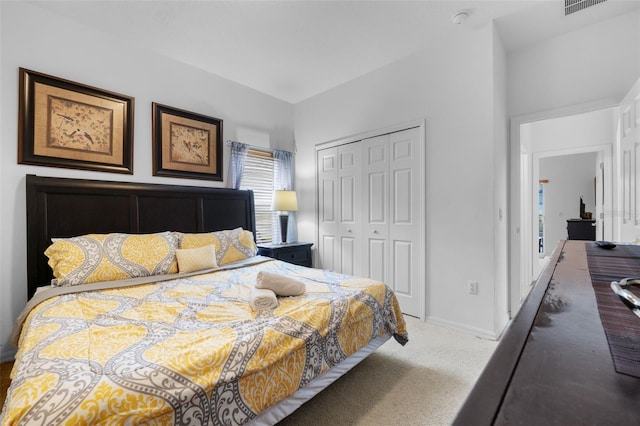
190 350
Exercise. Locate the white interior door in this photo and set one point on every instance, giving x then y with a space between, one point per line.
405 229
349 209
328 215
375 205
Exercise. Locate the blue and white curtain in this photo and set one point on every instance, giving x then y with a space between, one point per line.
236 167
284 180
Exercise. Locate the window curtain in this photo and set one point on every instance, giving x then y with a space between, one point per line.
283 179
238 157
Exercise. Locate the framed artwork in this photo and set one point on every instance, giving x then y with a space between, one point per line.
186 144
67 124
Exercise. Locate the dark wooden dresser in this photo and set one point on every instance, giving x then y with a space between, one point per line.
553 365
581 229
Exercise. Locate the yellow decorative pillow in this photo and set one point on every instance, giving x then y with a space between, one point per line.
196 259
106 257
231 245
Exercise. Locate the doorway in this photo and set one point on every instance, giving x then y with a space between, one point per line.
585 129
565 183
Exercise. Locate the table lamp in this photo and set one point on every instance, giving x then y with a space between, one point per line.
284 202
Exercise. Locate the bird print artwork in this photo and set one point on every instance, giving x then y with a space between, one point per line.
189 145
79 126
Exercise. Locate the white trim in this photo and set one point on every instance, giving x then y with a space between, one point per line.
371 134
480 332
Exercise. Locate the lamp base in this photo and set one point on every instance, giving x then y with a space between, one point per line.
284 223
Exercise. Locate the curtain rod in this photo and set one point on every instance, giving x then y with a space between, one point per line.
259 148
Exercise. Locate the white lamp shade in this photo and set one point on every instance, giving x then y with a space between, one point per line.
284 201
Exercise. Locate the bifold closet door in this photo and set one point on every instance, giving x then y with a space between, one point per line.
375 205
393 195
339 224
406 196
370 198
328 208
350 211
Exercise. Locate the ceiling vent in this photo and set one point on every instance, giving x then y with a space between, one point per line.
573 6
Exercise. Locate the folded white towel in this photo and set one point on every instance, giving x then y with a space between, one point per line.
262 298
281 285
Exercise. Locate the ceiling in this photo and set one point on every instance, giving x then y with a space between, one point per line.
293 50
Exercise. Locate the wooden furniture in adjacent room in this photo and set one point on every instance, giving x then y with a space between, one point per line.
553 365
297 253
581 229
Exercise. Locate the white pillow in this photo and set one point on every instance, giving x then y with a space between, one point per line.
196 259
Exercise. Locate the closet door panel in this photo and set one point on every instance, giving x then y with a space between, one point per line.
377 249
329 207
402 199
348 252
376 206
406 195
402 266
327 166
349 222
328 252
377 189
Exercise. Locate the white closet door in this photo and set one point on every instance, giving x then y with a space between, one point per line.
405 219
350 213
328 202
371 212
375 207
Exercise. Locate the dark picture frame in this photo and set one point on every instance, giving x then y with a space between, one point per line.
186 144
72 125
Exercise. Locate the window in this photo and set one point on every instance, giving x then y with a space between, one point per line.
258 176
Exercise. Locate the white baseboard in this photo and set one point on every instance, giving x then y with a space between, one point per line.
480 332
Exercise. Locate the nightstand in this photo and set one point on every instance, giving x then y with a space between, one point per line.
297 253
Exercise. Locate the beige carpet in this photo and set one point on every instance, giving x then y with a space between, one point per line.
422 383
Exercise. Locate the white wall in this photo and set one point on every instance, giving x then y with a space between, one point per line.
570 177
596 62
36 39
457 88
574 131
451 86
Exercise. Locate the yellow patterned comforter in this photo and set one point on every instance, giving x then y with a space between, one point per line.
190 350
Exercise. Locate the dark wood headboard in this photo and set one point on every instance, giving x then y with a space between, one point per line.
60 207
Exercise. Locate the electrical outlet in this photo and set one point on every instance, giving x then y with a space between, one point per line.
473 287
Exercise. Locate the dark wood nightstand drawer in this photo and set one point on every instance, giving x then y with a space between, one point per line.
297 253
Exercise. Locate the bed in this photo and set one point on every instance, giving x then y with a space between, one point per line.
174 345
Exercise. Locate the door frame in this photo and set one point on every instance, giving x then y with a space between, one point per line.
520 242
